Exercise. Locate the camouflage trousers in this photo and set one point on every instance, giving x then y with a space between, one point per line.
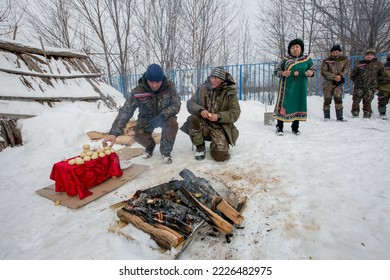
383 100
335 92
359 94
169 127
201 130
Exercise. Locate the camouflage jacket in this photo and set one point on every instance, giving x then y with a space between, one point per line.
163 103
332 66
222 100
367 74
384 85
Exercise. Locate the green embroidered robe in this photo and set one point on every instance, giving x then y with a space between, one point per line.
291 103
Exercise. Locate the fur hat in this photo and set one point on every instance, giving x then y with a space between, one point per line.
219 73
154 73
295 42
370 51
335 48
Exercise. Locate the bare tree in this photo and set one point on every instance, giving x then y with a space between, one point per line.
210 29
160 34
58 28
358 24
277 28
120 14
10 17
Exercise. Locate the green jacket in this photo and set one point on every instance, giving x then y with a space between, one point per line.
332 66
367 74
228 105
384 85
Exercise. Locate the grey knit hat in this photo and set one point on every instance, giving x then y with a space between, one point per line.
219 73
370 51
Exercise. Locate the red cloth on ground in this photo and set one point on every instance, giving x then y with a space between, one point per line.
77 179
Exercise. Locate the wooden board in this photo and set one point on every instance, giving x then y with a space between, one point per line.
74 202
109 185
127 139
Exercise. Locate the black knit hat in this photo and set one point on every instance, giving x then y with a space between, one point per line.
295 42
154 73
335 48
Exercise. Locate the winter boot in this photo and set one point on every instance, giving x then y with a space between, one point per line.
167 158
326 115
149 151
200 153
279 131
279 128
339 115
383 117
294 128
366 115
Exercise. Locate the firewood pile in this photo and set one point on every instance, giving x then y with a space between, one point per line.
9 133
171 213
127 138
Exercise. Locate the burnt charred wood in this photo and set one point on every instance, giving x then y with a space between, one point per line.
201 189
160 190
241 204
159 210
196 209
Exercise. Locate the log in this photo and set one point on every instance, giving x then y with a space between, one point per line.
165 237
51 76
201 188
209 197
51 99
241 204
232 214
20 48
221 224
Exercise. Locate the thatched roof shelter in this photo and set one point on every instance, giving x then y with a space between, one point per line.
34 78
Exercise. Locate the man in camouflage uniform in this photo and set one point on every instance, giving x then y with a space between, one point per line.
365 76
214 109
333 69
384 90
158 104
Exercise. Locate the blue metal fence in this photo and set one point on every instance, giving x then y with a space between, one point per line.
253 81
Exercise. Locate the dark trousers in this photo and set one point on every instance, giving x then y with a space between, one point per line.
169 129
294 125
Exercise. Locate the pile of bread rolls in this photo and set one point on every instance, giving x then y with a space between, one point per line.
87 154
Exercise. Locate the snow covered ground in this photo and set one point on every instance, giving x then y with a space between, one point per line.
323 195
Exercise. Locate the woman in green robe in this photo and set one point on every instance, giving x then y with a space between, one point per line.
291 103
